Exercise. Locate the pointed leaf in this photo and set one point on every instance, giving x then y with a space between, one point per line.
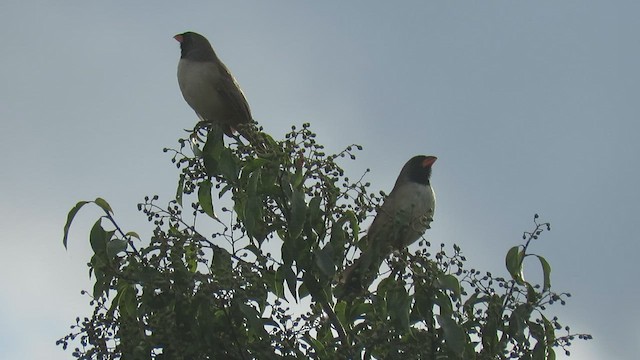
191 257
204 198
549 330
518 322
250 209
513 262
315 213
212 150
221 262
227 165
532 294
353 221
276 282
444 302
454 335
546 271
324 260
291 280
133 234
423 303
70 217
449 282
116 246
126 299
398 302
104 205
98 238
298 214
255 325
180 190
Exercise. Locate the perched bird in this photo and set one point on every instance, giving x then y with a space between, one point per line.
208 86
401 220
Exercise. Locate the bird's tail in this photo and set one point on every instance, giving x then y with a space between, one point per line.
357 278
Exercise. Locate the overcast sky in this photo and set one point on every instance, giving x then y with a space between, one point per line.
531 107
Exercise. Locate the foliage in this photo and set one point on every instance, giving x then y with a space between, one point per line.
261 284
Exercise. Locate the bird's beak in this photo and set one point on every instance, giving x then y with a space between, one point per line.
429 161
178 38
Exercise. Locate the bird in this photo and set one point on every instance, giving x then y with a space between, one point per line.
208 86
405 215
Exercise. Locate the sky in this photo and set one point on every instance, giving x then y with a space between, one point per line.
531 107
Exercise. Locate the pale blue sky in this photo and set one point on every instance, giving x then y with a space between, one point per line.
530 107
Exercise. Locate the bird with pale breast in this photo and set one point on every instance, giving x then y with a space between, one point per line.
402 219
208 86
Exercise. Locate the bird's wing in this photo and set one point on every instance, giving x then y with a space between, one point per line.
231 93
403 218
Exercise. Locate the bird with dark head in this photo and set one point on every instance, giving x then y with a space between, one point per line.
401 220
208 86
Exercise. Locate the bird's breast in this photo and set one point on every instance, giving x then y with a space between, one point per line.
407 213
197 80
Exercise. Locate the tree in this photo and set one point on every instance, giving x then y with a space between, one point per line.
261 284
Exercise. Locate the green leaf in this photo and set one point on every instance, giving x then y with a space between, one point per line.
250 209
317 345
513 262
133 234
98 238
546 271
311 285
473 300
254 321
99 288
359 311
191 257
126 299
104 205
338 236
227 165
212 151
398 303
315 213
221 262
180 190
341 312
116 246
551 355
276 282
532 294
298 250
324 260
204 198
297 180
70 217
103 280
537 332
303 289
449 282
353 221
454 335
518 322
549 330
423 303
444 302
298 214
174 231
489 331
290 278
253 164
